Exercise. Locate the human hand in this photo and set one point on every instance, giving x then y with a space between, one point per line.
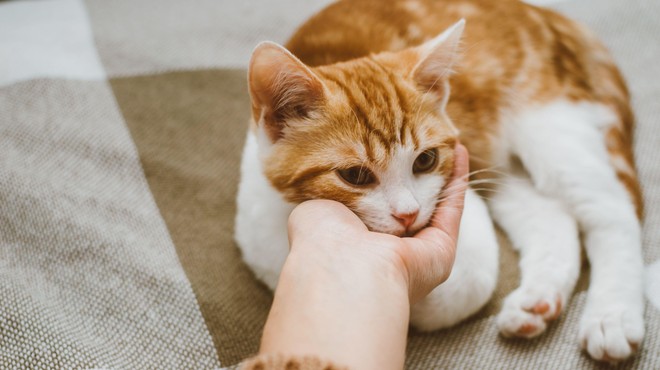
331 231
345 292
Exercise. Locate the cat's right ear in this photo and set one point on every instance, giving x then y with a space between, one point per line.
436 58
282 88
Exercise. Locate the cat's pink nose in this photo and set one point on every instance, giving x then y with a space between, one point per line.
406 219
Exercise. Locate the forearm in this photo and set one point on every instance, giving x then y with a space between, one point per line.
358 317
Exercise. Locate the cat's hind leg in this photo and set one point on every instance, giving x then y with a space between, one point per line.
473 277
546 235
563 147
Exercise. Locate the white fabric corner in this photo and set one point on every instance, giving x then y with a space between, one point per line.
46 38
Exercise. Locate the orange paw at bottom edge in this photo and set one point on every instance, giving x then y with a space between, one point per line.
526 329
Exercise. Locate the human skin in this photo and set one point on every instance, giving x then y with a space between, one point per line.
345 292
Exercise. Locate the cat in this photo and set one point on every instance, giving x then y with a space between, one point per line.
365 106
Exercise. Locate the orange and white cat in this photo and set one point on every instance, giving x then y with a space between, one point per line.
365 108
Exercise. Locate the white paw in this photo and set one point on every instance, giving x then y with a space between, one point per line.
526 311
611 334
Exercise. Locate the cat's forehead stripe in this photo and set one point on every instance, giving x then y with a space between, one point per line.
396 99
377 95
304 175
366 95
402 103
413 136
402 134
398 121
360 115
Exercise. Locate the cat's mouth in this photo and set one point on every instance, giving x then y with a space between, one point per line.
411 231
394 228
408 231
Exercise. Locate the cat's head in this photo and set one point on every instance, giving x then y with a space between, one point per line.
371 133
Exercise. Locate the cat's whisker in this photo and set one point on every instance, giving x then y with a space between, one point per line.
471 184
476 190
474 158
487 181
489 169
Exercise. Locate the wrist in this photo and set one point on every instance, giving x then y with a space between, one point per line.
340 306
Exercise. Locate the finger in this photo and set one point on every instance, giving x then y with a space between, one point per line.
322 216
429 259
448 213
447 217
430 253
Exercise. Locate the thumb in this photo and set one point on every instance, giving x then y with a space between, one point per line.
314 217
448 214
431 252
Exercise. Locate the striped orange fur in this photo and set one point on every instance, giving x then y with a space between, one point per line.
365 106
360 52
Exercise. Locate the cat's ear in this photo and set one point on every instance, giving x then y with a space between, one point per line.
436 59
282 88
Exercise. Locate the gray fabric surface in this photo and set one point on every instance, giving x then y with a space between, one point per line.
147 36
89 276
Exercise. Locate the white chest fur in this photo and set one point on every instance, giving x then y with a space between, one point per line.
261 218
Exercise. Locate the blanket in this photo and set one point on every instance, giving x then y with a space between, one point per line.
121 129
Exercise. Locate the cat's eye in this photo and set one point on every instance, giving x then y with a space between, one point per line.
426 161
358 176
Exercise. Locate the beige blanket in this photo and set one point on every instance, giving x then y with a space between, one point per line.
121 127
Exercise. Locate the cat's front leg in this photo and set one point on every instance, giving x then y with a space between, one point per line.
546 236
563 146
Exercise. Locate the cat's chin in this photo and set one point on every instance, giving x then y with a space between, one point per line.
411 232
401 233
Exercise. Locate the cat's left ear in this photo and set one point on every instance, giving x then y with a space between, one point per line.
282 88
436 59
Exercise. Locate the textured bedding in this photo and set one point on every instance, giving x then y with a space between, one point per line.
121 129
